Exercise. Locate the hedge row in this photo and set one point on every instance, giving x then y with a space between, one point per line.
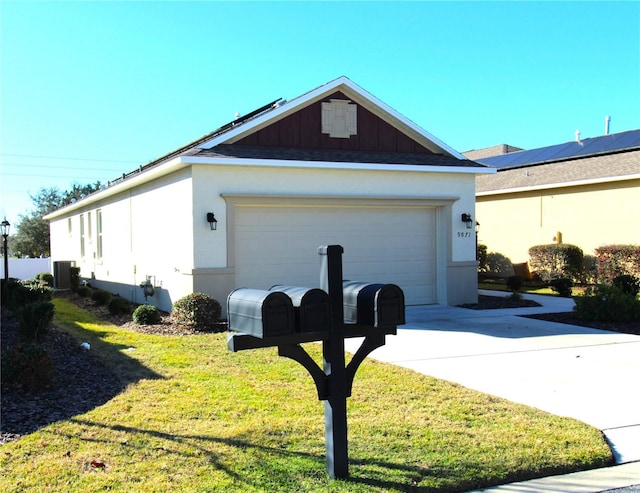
555 261
618 260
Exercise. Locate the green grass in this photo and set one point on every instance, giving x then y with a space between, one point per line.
195 417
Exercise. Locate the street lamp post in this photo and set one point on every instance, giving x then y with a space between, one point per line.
5 235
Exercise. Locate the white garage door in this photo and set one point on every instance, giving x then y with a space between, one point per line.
278 245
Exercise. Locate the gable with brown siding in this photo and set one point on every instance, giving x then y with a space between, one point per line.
303 129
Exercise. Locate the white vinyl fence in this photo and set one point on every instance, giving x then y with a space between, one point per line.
25 268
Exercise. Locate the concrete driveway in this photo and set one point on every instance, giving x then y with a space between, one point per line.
588 374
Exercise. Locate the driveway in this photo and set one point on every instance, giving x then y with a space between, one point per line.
588 374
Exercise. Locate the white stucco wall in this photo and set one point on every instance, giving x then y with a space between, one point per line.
158 228
146 231
211 183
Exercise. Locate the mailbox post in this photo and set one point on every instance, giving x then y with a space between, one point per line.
262 319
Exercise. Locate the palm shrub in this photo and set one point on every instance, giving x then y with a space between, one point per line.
45 278
147 315
21 294
198 310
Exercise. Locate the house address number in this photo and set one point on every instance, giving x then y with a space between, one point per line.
464 234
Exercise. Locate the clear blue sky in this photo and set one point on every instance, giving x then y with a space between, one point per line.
89 90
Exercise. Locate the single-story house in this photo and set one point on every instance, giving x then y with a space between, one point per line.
582 192
249 204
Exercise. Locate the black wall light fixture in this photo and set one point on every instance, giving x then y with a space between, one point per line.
213 222
467 219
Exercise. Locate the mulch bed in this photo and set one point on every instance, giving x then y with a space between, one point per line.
82 383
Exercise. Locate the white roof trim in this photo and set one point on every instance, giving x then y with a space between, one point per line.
339 83
277 163
566 184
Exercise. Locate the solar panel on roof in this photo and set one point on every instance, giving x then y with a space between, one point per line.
566 150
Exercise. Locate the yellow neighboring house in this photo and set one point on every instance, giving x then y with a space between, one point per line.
583 192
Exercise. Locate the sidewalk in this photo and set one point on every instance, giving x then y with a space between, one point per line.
588 374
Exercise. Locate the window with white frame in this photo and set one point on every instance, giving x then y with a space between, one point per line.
82 249
89 237
99 233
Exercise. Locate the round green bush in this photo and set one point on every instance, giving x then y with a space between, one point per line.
627 284
198 310
84 291
562 286
147 315
101 297
119 306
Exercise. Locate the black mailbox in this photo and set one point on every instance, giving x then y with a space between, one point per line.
311 305
377 305
260 313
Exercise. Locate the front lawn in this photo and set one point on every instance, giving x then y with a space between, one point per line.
195 417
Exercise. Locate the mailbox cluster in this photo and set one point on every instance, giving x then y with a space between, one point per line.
286 316
287 310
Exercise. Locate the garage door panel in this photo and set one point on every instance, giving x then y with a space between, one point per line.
278 245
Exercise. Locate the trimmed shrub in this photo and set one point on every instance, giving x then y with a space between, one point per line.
618 260
45 278
562 286
556 261
27 365
101 296
628 284
84 291
607 303
147 315
119 306
34 319
198 310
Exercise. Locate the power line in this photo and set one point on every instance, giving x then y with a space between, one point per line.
50 176
68 158
26 165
